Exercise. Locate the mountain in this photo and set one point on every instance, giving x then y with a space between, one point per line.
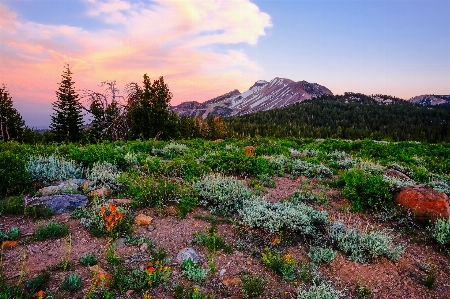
261 96
431 100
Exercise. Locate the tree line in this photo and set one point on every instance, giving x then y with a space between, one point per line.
144 112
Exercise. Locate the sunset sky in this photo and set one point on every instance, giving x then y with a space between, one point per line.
205 48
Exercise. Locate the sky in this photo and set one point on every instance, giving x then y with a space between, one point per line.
205 48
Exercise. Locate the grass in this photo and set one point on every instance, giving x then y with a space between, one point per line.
53 230
252 285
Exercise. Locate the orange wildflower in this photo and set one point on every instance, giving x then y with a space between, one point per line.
40 294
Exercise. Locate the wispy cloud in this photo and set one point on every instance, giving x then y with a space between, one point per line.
176 39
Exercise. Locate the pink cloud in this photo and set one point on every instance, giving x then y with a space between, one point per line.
168 38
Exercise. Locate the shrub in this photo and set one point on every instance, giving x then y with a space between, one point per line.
38 211
170 149
300 167
440 184
37 283
52 168
307 196
319 291
265 180
396 184
283 265
186 205
365 190
88 259
14 177
53 230
278 164
103 174
441 231
362 292
193 271
252 285
13 234
11 205
72 283
321 255
157 273
275 217
366 246
222 195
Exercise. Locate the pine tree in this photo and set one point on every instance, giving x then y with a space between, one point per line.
67 120
11 123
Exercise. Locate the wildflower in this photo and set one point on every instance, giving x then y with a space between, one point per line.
147 295
289 259
40 294
151 269
276 241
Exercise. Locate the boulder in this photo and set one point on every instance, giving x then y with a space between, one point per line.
62 203
102 192
188 253
121 201
424 202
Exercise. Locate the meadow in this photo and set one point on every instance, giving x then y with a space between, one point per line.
267 218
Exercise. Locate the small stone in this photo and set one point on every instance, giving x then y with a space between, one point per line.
222 272
129 292
232 281
9 244
102 192
188 253
151 228
143 247
142 219
119 243
122 201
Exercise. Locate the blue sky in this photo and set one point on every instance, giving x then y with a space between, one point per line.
207 48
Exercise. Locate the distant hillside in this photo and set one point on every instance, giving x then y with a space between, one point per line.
349 116
431 100
260 96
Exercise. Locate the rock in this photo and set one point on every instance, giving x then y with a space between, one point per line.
142 219
122 202
249 150
218 141
222 272
62 203
151 228
129 293
60 189
396 174
188 253
143 247
119 243
232 281
9 244
425 202
102 192
170 211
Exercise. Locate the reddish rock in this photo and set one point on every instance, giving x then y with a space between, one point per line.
250 150
425 202
395 173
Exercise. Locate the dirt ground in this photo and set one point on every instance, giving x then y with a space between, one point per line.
385 279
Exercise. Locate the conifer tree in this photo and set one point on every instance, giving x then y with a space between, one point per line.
67 120
11 123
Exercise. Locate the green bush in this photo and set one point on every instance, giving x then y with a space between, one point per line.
53 230
37 283
186 205
38 211
283 265
72 283
365 190
441 231
319 291
321 255
223 195
104 174
307 197
52 168
88 259
193 271
279 216
300 167
252 285
13 234
210 239
11 205
14 177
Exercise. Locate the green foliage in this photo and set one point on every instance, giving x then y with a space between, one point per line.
67 120
441 231
14 178
283 265
38 211
365 190
222 195
37 283
362 292
279 164
72 283
11 205
103 174
210 239
88 259
52 168
307 197
186 205
279 216
264 180
193 271
171 149
53 230
321 254
300 167
319 291
252 285
11 124
365 246
13 234
430 279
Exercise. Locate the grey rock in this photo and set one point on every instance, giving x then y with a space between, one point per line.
188 253
62 203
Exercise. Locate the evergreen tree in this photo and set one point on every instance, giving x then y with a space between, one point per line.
67 120
150 114
11 123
